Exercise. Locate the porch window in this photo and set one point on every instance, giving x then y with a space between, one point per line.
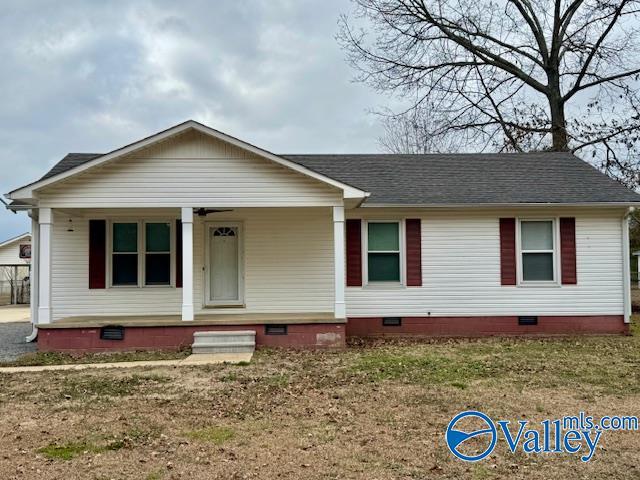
537 250
383 251
141 253
157 259
124 262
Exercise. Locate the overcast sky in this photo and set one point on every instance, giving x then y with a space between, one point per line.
85 76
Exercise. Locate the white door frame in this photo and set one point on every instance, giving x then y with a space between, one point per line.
207 268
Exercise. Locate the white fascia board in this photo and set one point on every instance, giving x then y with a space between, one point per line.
28 190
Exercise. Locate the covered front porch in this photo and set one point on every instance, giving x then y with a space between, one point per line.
163 273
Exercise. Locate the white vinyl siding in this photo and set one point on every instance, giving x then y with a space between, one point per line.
461 268
190 170
288 259
288 265
70 293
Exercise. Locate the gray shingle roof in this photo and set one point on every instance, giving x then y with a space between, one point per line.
499 178
70 161
461 179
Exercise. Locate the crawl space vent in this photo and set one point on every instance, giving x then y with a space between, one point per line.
275 329
112 333
527 320
391 322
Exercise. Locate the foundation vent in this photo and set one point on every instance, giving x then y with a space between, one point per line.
527 320
275 330
392 322
112 332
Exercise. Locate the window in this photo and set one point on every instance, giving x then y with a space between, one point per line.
140 253
157 259
537 247
124 264
383 251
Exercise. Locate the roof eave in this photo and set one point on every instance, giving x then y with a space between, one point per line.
486 205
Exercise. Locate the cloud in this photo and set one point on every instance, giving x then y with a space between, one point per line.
92 76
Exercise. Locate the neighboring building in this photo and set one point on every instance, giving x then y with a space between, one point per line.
15 260
193 230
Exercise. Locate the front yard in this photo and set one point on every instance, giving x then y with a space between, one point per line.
371 412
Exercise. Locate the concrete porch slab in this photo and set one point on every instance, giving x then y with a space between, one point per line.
213 358
205 319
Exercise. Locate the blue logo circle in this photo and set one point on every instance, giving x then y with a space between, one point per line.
455 438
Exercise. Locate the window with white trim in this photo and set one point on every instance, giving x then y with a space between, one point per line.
537 250
383 252
141 253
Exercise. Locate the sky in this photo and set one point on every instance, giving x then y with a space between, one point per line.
85 76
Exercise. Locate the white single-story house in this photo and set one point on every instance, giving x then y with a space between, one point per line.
193 230
15 260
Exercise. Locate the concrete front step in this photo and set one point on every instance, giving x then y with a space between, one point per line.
240 341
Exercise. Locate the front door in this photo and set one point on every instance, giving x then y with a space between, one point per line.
224 276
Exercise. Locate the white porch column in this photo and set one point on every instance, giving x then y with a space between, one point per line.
187 264
45 220
626 268
33 276
339 261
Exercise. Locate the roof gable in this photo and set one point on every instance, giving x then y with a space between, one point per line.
78 163
189 169
19 238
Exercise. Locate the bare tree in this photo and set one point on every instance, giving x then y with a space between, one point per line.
411 132
512 75
9 275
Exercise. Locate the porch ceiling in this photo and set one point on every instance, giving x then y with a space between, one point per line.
199 320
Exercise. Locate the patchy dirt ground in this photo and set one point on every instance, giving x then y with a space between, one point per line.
375 411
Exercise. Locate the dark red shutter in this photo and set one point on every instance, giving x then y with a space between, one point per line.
97 254
413 236
568 250
354 253
178 253
508 251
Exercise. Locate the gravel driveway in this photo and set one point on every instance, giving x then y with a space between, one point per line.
12 343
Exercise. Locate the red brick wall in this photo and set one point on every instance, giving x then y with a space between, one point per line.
487 326
173 338
331 335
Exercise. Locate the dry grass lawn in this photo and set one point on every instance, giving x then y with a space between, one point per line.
375 411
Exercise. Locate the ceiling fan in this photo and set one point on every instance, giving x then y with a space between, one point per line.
203 212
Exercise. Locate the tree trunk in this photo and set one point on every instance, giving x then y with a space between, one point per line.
559 141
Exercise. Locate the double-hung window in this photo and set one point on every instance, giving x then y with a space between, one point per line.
383 252
140 253
157 258
537 250
124 256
